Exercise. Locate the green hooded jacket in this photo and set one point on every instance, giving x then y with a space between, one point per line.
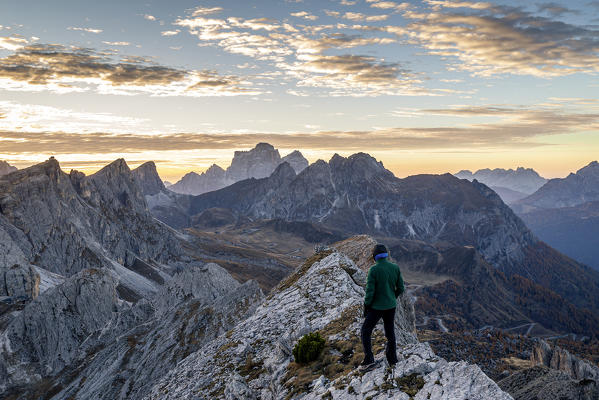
383 286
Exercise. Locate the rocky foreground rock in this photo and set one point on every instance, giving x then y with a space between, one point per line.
253 360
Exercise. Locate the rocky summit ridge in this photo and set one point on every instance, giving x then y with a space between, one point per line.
253 360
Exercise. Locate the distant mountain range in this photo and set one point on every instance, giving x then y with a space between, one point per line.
356 195
511 185
258 162
6 168
565 214
575 189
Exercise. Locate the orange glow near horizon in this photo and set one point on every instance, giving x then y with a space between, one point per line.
555 162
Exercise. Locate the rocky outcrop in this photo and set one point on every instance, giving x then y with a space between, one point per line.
6 168
548 384
253 360
45 337
20 281
555 357
521 180
202 282
556 375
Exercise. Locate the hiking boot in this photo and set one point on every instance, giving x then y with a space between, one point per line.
366 366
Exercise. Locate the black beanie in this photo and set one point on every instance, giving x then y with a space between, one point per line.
378 249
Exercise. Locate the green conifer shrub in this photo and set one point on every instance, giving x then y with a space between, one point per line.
308 348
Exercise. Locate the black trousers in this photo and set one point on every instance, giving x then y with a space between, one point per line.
372 317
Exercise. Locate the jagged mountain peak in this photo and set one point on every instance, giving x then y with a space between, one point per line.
117 166
359 166
264 146
283 173
295 153
214 168
591 168
189 175
114 186
296 160
148 179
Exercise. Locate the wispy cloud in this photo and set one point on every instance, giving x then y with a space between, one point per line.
489 40
356 16
117 43
170 33
12 42
516 127
302 56
389 5
206 11
305 15
61 69
352 75
89 30
39 118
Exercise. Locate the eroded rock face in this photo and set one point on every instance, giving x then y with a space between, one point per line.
127 367
19 281
46 335
556 375
253 360
67 223
555 357
548 384
202 282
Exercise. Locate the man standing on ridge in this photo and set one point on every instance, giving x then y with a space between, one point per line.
383 286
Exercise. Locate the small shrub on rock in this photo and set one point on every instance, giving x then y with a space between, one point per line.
308 348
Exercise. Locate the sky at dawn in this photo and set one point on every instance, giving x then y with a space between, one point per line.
428 86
